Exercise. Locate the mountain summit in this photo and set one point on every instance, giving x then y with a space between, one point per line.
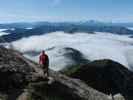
22 79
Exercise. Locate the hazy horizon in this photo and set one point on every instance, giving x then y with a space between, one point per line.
11 22
65 10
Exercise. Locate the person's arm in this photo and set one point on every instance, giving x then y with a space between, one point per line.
47 66
48 60
40 59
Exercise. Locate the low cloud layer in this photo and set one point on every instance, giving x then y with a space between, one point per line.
3 33
93 46
130 28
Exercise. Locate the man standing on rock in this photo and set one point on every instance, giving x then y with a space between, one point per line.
44 62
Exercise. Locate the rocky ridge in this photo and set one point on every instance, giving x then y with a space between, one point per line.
22 79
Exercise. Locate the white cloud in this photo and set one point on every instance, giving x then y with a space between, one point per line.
3 33
130 28
93 46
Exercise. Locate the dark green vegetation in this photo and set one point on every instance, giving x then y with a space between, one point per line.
106 76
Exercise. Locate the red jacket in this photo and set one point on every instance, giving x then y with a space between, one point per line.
42 59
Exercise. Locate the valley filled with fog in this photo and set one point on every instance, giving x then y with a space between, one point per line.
100 45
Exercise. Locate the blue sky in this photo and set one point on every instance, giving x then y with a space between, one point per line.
65 10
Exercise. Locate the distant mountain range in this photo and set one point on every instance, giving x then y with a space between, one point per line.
20 30
40 23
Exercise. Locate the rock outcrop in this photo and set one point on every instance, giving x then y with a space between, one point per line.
22 79
15 73
106 76
76 88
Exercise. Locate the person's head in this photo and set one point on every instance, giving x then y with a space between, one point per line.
43 52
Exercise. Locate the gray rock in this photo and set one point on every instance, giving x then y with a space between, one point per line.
17 73
77 88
